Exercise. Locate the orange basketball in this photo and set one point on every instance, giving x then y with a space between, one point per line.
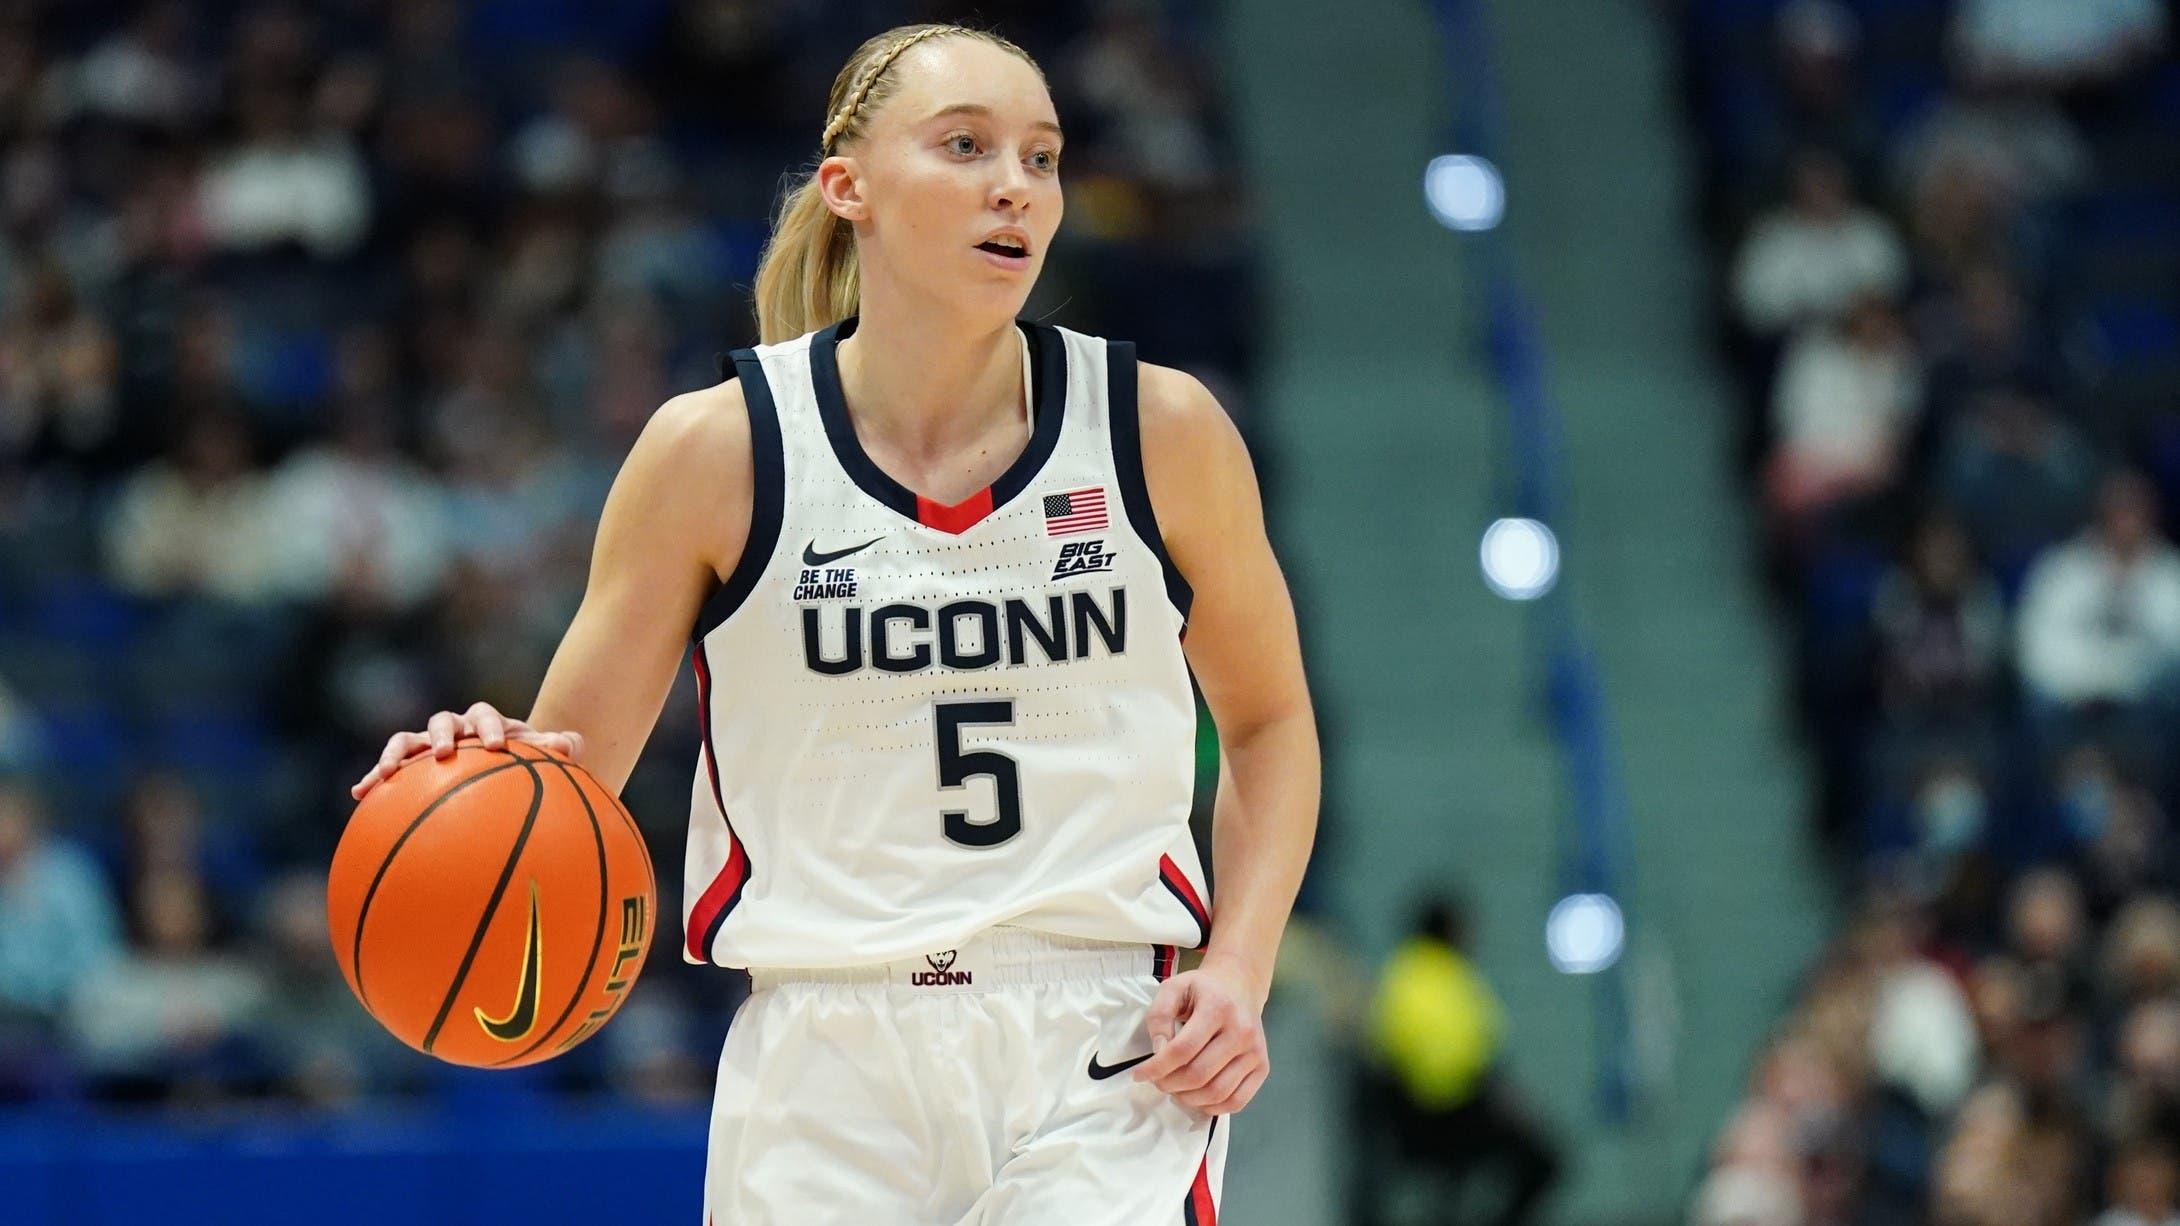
491 909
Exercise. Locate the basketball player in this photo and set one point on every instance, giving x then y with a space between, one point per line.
939 567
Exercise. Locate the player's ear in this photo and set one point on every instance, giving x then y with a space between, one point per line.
840 182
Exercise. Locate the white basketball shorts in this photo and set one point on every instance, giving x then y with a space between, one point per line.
982 1086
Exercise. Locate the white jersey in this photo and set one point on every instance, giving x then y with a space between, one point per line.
921 721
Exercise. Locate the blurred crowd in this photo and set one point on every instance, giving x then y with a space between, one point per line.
1948 277
323 327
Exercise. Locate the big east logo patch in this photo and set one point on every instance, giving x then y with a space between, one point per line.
1083 558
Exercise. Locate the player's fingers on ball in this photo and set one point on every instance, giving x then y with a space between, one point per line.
443 728
399 748
489 725
572 744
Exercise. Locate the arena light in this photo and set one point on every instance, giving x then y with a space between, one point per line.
1464 192
1520 558
1584 934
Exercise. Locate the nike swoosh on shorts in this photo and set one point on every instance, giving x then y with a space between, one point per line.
1099 1072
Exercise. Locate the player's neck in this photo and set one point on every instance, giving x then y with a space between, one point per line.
926 380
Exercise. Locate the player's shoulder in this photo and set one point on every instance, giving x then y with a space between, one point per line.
1181 418
705 427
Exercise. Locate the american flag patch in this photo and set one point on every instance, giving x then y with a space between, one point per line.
1075 511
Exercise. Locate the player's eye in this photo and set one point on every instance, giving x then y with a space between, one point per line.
962 143
1045 159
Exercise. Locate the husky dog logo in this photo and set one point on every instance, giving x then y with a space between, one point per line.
942 973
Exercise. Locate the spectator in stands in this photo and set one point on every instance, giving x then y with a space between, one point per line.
193 523
2056 44
58 926
317 1045
2046 929
2023 1153
1823 102
1810 260
356 519
1843 408
2018 141
2020 476
2145 1095
58 369
1922 1034
1941 638
287 183
2141 955
174 1016
2100 615
1436 1031
1981 337
2143 1188
164 829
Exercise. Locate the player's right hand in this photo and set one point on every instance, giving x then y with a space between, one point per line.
448 728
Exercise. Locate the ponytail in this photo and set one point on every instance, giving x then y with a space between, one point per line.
808 277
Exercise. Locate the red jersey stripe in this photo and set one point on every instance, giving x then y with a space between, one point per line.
957 518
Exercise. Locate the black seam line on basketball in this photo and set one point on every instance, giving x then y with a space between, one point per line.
363 913
491 906
597 941
626 820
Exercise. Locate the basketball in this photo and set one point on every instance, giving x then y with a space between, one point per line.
493 908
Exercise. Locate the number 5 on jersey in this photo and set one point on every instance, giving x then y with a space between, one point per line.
957 767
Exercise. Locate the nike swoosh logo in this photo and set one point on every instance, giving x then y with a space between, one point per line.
519 1020
811 556
1099 1072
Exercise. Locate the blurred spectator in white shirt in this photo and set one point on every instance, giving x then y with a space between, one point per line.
286 185
2057 42
1810 259
2100 615
193 523
160 1016
58 926
2020 141
1845 400
356 517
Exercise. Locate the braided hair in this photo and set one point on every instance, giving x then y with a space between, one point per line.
808 277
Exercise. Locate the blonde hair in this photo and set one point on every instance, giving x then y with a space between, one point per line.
808 277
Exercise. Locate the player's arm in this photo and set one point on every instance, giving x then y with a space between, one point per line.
675 521
1242 645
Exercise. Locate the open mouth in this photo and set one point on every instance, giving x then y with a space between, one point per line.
1004 246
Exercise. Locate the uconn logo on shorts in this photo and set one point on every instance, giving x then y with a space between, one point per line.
942 973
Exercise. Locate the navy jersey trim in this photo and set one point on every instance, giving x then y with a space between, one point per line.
1048 375
1135 492
768 498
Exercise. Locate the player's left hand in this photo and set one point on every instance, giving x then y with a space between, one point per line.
1207 1030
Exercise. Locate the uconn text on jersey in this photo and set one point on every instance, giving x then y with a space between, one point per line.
962 635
